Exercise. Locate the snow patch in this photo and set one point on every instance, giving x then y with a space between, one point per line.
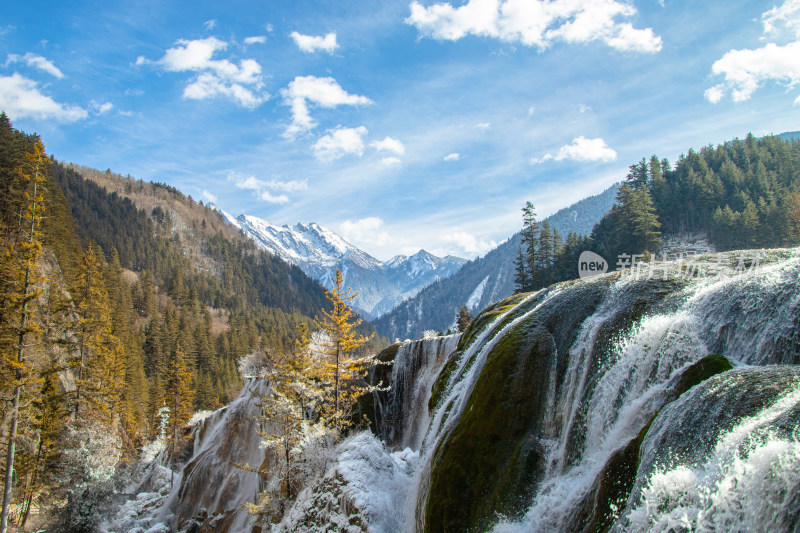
475 298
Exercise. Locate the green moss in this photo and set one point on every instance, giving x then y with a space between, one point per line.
706 367
615 484
619 475
492 456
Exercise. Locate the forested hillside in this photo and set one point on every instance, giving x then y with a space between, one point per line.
486 279
118 323
743 194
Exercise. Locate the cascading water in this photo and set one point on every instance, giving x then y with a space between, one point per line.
576 373
734 462
568 410
211 486
404 412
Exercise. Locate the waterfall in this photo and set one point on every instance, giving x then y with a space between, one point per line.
210 484
617 348
404 415
590 405
608 394
737 469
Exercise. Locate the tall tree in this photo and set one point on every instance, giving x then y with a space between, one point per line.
180 395
99 358
529 247
342 367
20 271
463 319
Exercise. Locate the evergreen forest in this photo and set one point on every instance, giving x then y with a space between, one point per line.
742 194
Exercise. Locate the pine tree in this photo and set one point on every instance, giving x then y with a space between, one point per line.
99 358
521 279
342 368
794 217
528 264
21 277
179 395
48 424
463 319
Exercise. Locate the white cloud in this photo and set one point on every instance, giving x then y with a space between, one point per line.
209 196
241 83
483 126
469 243
582 149
262 188
390 145
272 199
531 111
257 39
312 43
340 142
210 24
746 70
455 156
786 16
287 186
324 92
714 94
246 182
390 162
536 23
101 108
583 108
364 231
36 61
20 98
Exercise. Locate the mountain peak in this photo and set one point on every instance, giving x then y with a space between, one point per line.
319 251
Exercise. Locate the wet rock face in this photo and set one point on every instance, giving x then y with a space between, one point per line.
401 412
551 430
211 484
725 456
495 457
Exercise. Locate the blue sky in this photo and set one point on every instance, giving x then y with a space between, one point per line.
400 125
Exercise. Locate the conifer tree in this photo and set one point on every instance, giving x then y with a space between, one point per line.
21 277
179 394
521 279
530 243
463 319
99 356
341 367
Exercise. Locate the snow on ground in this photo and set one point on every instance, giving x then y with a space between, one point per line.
685 245
377 481
139 515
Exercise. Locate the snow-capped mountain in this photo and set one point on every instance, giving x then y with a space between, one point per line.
484 280
319 252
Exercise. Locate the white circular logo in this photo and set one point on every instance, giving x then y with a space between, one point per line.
590 264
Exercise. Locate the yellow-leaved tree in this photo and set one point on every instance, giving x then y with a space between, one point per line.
21 284
342 370
98 358
180 397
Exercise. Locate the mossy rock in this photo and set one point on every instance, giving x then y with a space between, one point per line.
492 453
612 488
708 366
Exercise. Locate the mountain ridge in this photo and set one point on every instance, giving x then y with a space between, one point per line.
486 279
319 251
